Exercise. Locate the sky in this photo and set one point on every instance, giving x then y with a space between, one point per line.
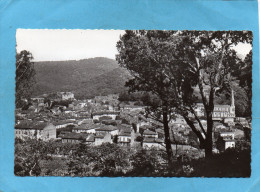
63 44
76 44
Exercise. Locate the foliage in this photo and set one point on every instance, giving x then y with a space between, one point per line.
24 78
171 65
39 158
231 163
85 78
138 97
139 139
142 164
25 164
245 80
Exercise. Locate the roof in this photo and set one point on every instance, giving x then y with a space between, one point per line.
216 105
106 128
100 136
228 132
160 131
78 136
124 128
90 138
216 123
134 106
152 140
106 113
125 133
63 122
221 105
86 126
64 132
229 140
148 132
32 125
145 127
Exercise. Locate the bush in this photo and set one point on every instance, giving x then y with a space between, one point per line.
231 163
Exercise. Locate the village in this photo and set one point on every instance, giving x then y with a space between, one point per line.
104 119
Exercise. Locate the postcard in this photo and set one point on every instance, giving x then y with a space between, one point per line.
129 96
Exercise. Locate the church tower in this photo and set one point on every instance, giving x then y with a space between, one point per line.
232 98
232 107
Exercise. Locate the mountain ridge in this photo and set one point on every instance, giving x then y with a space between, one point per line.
73 75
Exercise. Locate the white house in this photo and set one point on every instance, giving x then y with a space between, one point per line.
44 131
148 133
231 135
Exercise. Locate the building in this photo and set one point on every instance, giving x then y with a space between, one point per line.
229 134
65 95
74 137
85 128
148 133
124 137
90 140
37 99
104 129
226 140
219 126
111 114
105 138
141 124
153 143
160 133
63 123
221 112
44 131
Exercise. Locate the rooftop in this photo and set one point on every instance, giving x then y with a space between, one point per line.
152 140
90 138
32 125
106 113
78 136
106 128
148 132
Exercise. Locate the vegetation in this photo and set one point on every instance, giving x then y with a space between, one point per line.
172 65
38 158
85 78
24 78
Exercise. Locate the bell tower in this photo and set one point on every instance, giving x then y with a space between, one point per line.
232 107
232 98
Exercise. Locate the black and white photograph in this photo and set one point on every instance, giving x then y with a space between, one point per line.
133 103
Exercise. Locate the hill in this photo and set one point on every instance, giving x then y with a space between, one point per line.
86 78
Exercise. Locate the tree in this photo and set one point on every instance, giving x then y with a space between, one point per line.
136 50
174 65
28 155
25 74
204 60
246 80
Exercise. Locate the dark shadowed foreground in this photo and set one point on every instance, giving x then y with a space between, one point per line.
38 158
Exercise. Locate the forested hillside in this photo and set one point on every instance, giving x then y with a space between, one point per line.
86 78
101 76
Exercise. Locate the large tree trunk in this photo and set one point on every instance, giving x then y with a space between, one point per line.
167 138
208 143
209 112
197 132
